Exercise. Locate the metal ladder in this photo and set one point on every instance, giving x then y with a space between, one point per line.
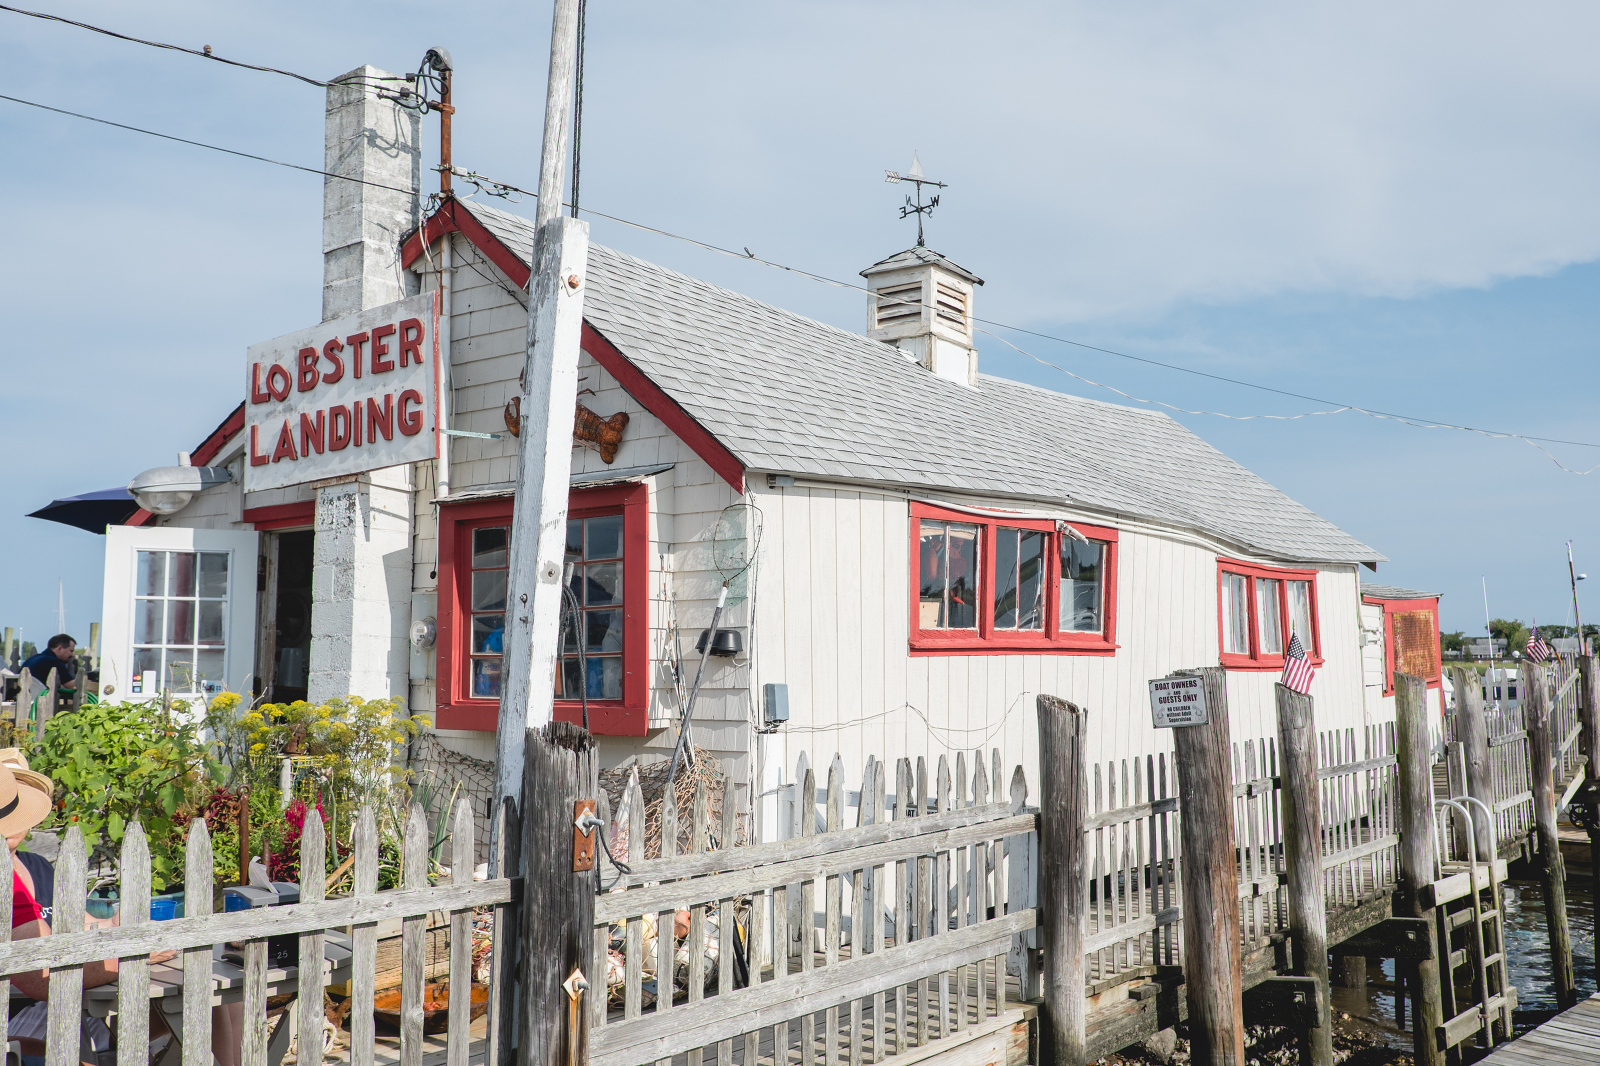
1472 917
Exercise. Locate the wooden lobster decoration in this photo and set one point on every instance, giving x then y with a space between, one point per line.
603 434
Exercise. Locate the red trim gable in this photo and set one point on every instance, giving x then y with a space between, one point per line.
674 417
452 218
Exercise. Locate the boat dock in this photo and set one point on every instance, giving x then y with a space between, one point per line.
1571 1038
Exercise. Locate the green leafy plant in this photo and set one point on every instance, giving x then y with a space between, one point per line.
118 763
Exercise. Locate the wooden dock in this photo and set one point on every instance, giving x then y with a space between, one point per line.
1571 1038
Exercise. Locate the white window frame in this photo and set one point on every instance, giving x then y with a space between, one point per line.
123 545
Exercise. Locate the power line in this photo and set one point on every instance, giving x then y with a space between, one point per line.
502 189
212 147
205 54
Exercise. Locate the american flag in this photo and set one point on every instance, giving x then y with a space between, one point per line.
1297 671
1537 651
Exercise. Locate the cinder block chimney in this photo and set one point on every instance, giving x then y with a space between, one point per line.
377 141
922 302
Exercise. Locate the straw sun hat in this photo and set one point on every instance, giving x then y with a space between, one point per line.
24 794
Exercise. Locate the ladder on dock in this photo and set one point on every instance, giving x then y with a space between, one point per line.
1477 997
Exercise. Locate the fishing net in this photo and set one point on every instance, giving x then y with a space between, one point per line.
652 785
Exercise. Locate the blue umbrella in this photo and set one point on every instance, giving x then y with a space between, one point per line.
92 511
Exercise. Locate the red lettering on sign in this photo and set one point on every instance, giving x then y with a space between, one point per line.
338 428
308 370
256 458
381 365
380 419
411 341
410 421
355 423
278 382
355 341
285 443
311 433
257 395
328 351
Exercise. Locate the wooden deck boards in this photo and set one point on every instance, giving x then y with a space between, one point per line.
1571 1038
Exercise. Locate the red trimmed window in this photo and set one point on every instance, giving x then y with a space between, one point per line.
607 539
1410 640
984 585
1259 607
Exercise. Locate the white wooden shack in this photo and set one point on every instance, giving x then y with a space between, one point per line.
937 546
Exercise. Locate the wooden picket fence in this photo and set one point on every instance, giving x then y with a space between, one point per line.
202 983
916 920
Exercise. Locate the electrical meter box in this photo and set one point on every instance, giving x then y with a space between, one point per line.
776 698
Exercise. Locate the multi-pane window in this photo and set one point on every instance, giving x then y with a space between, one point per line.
1259 609
180 615
594 612
949 575
1016 586
486 597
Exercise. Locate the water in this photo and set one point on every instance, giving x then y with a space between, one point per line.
1527 963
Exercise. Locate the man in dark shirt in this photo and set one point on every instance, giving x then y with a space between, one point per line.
58 656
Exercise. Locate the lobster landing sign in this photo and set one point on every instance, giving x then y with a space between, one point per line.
351 395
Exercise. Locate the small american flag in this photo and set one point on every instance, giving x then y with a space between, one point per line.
1537 651
1297 671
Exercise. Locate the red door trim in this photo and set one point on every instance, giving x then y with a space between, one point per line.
282 515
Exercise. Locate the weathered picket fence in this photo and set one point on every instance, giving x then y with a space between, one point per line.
200 982
850 943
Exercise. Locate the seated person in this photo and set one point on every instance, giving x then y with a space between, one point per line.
59 655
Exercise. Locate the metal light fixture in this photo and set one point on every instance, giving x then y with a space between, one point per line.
168 489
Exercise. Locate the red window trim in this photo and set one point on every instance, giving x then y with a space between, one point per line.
1255 660
629 716
1390 609
985 640
282 515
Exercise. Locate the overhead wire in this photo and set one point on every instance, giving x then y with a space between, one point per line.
507 191
203 54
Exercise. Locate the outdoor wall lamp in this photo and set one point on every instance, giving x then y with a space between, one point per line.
167 489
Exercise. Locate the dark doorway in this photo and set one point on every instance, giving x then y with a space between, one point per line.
293 614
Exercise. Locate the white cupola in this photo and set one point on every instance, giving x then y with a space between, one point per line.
921 302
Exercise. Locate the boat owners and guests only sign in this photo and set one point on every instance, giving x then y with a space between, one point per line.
350 395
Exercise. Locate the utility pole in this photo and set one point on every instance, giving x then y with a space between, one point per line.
1572 575
544 454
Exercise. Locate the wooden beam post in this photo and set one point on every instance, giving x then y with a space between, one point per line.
1541 754
1472 731
558 903
548 400
1589 714
1418 869
1302 847
1063 889
1213 972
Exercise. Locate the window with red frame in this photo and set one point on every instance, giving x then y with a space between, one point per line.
1259 608
993 585
606 608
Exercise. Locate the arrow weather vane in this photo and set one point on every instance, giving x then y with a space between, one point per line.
917 207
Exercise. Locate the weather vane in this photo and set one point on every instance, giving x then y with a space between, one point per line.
917 207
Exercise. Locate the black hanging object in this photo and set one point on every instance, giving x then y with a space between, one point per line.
727 644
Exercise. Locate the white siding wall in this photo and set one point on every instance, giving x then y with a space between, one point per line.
834 624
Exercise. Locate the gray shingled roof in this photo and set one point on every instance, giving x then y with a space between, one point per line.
787 394
1392 592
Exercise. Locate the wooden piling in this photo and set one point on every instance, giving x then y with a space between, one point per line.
1418 870
1063 890
1213 972
558 902
1589 714
1472 731
1541 757
1302 848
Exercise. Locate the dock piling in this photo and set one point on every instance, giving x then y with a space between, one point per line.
1302 847
1541 756
1418 870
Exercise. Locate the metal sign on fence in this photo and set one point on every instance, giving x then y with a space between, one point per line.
1176 701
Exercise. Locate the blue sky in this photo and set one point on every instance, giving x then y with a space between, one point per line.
1390 208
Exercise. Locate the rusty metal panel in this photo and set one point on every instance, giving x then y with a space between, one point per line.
1416 644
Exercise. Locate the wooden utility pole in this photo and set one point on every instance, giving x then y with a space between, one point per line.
1541 757
1063 888
1418 869
1472 732
1213 971
557 902
1302 847
544 453
1589 716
